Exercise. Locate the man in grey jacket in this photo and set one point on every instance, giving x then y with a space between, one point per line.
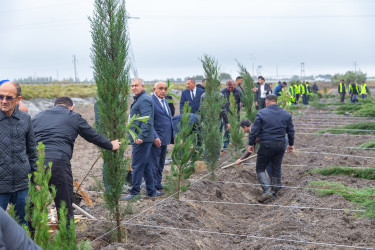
17 151
58 128
12 235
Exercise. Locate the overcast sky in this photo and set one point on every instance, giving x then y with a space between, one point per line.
40 37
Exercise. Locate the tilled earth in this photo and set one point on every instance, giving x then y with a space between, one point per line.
225 214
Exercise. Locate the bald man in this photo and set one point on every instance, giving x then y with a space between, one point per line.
17 150
163 132
21 105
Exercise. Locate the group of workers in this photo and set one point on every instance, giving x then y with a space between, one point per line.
58 127
354 91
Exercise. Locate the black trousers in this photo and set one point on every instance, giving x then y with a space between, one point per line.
261 103
342 97
270 151
62 179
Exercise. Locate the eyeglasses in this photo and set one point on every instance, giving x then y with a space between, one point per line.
8 98
161 88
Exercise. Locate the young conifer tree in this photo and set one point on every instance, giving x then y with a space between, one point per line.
37 210
40 199
109 55
210 111
247 97
236 134
184 154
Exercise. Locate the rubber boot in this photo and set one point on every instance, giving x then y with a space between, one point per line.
275 187
262 177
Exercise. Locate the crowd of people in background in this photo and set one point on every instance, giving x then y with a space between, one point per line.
353 90
59 126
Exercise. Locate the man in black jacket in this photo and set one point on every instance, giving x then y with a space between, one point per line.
17 151
271 124
58 128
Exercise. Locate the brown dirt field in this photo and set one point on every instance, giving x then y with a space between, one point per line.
246 224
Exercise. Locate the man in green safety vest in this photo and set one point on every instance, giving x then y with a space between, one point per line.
308 91
304 93
297 89
353 92
292 92
363 90
342 90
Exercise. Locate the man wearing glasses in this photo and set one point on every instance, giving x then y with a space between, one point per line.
17 150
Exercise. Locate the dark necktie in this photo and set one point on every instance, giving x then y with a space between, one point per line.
192 94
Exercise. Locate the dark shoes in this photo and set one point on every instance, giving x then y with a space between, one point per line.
157 194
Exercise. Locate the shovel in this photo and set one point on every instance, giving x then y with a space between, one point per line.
81 194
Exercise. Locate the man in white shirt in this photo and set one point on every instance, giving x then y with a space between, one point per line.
262 91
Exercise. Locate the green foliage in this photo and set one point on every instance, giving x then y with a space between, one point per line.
58 90
225 76
66 238
368 145
252 115
348 77
109 54
247 97
184 154
314 97
364 197
210 111
12 213
235 132
284 99
170 86
40 199
37 210
364 173
318 105
354 129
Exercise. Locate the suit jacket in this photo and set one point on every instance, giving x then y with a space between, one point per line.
194 104
163 125
143 106
267 89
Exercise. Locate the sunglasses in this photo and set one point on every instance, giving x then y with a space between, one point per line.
8 98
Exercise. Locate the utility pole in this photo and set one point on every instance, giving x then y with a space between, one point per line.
252 59
75 67
302 71
259 70
355 66
277 72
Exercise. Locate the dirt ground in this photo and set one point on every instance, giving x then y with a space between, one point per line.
239 222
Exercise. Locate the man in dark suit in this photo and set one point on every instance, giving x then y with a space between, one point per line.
237 97
191 95
263 90
163 132
141 165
